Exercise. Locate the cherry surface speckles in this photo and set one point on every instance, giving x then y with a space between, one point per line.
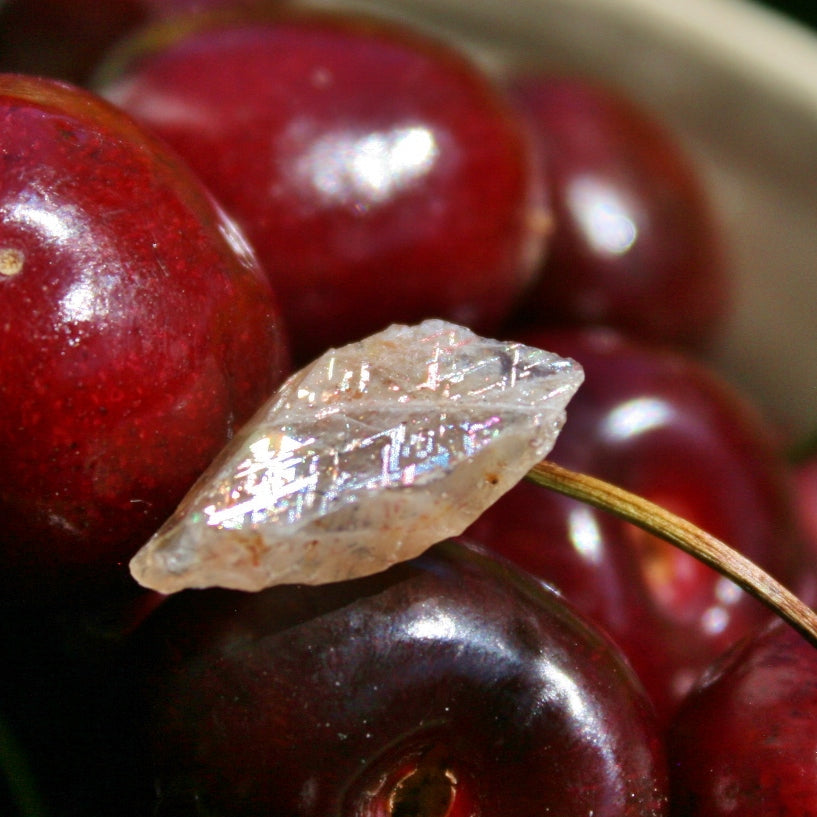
143 331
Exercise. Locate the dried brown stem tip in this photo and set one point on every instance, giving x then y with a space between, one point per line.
682 534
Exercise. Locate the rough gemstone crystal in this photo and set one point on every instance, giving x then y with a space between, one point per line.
366 457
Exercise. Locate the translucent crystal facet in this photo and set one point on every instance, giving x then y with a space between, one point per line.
365 458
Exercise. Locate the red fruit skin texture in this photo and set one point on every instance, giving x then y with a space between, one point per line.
664 426
745 740
137 332
635 243
380 176
454 678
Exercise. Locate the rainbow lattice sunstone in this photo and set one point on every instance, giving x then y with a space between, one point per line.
365 458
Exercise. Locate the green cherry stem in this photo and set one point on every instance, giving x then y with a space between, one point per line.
683 534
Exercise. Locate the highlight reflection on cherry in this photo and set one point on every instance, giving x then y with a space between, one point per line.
634 244
663 426
134 321
381 177
450 685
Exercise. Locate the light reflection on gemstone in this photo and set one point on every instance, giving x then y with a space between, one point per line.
367 457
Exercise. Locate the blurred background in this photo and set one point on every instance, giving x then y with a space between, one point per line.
803 10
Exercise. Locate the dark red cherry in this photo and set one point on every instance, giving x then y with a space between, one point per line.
451 686
663 426
635 244
805 492
379 174
137 332
745 739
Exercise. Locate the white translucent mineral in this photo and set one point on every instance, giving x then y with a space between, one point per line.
365 458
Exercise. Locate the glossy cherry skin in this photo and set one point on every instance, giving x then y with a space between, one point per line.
380 176
453 685
635 244
744 741
138 332
664 426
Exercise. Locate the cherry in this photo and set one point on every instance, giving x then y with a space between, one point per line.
138 332
744 740
664 426
454 685
381 177
805 493
451 685
635 243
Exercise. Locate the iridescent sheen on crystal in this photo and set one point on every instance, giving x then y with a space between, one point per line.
365 458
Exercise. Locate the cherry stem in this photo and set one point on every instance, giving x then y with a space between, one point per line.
684 535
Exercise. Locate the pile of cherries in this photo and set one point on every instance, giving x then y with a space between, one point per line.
239 186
